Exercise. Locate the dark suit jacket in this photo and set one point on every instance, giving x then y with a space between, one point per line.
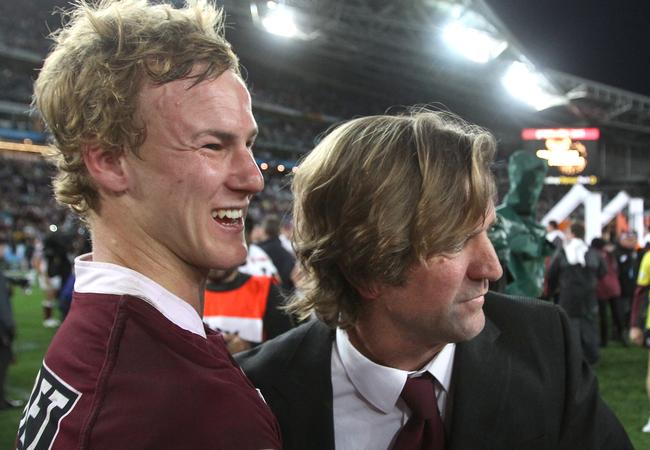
520 384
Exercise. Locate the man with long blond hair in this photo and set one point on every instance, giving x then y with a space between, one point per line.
409 350
152 131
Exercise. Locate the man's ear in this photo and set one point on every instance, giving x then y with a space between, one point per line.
106 168
369 291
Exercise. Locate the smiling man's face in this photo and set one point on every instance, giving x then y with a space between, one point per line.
195 172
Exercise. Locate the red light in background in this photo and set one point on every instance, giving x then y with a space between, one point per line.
579 134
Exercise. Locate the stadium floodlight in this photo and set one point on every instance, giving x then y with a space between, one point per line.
282 19
474 44
279 20
524 83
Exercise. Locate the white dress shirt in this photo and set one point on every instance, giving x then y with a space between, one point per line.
368 411
107 278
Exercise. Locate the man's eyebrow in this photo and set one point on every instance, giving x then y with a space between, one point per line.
225 135
486 227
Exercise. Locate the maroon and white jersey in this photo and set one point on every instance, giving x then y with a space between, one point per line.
119 374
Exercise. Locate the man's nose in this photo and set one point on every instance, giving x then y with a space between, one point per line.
485 260
247 176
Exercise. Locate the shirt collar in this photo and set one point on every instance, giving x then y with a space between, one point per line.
106 278
382 385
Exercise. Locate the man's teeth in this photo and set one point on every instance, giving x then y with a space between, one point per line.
227 213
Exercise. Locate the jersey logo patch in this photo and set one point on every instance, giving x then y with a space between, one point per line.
52 399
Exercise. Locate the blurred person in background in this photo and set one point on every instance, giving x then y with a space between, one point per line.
608 293
270 242
153 134
57 268
257 261
247 309
39 263
554 235
628 259
14 254
645 242
409 350
286 235
81 245
640 318
574 273
7 331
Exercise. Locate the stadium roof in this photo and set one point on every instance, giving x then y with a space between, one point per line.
396 49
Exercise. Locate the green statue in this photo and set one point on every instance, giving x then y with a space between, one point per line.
520 242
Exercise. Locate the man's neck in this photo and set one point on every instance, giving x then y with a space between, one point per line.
382 347
116 245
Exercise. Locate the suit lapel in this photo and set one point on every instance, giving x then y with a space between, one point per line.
480 385
308 390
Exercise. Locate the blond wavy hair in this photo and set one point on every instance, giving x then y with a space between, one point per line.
87 90
377 195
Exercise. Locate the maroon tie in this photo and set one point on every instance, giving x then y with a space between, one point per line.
424 429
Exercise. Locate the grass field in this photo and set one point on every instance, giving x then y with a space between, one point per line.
621 373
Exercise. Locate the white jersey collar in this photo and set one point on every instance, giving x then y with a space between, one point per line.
106 278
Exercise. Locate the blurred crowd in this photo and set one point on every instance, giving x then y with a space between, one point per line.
309 97
291 116
15 86
26 203
24 25
597 283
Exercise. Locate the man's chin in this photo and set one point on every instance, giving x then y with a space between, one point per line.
225 260
473 325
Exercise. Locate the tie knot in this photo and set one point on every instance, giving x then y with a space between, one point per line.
420 396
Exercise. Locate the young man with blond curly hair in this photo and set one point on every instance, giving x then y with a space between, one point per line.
152 131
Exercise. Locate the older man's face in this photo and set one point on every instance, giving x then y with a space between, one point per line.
442 299
195 172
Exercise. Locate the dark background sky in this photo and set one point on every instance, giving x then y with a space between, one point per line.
603 40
